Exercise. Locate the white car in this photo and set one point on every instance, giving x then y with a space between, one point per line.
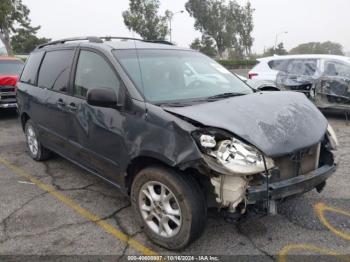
324 79
260 85
310 65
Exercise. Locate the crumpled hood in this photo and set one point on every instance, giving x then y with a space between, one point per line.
277 123
8 80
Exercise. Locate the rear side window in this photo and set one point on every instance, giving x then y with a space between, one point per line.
93 71
55 69
305 67
31 68
279 65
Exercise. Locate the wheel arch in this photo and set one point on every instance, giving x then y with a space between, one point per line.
24 118
269 88
141 162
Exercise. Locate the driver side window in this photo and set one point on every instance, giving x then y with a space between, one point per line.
93 71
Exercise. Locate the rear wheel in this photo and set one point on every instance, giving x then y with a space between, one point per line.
36 150
170 206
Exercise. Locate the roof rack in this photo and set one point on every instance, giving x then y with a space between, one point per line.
95 39
109 38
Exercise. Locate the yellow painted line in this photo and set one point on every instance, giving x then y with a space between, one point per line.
83 212
321 208
283 254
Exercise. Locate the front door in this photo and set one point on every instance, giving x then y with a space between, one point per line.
95 133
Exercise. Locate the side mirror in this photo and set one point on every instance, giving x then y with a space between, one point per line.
102 97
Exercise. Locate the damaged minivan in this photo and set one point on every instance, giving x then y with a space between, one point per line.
171 128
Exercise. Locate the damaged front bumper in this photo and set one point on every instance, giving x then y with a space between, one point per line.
291 186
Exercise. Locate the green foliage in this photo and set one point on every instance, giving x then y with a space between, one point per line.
143 18
318 48
229 24
205 45
213 18
234 64
25 40
280 50
245 28
13 15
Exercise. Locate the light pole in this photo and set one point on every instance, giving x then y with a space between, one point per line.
277 35
170 16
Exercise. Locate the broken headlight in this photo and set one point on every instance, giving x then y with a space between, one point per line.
333 140
235 156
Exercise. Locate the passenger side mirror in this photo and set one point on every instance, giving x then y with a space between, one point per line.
102 97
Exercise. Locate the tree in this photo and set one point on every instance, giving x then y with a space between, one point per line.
245 27
13 15
25 40
216 19
143 18
279 50
205 45
318 48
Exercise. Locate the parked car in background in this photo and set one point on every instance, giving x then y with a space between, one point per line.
325 79
10 68
173 129
262 85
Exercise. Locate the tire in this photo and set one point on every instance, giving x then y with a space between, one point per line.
187 199
36 150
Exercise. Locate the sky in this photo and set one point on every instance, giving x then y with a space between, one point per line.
304 20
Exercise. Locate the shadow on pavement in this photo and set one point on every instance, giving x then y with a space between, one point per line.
7 114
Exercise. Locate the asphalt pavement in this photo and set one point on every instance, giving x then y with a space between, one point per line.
56 208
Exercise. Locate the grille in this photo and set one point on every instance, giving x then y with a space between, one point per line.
4 89
300 163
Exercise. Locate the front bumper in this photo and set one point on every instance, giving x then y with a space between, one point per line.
292 186
8 97
8 105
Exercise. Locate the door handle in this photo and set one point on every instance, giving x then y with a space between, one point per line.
72 107
60 103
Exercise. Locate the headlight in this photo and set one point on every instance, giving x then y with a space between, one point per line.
333 141
240 158
207 141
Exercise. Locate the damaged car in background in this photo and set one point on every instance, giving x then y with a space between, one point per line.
324 79
173 129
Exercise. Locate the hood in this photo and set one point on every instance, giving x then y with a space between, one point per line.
8 80
277 123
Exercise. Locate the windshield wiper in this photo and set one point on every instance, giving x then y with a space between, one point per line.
224 95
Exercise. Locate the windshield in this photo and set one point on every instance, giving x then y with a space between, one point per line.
9 67
175 75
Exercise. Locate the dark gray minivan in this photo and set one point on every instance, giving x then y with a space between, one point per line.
171 128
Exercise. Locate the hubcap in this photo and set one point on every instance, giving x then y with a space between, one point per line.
32 141
160 209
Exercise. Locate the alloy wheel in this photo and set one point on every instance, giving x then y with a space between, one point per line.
160 209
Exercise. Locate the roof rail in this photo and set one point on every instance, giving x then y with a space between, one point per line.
95 39
164 42
109 38
92 39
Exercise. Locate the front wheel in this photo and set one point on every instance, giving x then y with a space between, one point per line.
170 206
